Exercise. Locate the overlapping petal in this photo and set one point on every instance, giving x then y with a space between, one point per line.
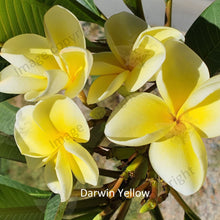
30 52
179 77
58 175
78 63
13 80
56 81
180 161
139 120
202 108
145 60
63 29
163 34
42 111
121 39
106 63
88 171
30 138
105 86
69 120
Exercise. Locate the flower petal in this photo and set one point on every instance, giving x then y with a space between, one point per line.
56 81
139 120
58 175
146 58
122 38
41 115
14 81
31 139
104 86
85 162
180 161
69 120
163 34
34 163
78 63
105 63
63 29
202 108
29 52
182 72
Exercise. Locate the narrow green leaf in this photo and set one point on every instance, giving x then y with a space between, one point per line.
132 5
4 96
204 37
97 134
9 149
122 153
7 118
21 202
136 7
90 5
3 63
31 191
96 46
88 216
55 208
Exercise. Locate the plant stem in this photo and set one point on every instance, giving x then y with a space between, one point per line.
124 209
109 173
168 12
156 214
151 88
186 208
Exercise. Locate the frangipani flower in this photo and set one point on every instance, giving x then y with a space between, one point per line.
137 55
44 66
175 123
49 134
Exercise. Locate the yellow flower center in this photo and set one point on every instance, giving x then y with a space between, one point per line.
178 128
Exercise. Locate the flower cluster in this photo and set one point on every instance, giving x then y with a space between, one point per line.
49 133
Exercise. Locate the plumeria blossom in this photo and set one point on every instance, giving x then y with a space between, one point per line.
48 134
43 66
175 123
137 53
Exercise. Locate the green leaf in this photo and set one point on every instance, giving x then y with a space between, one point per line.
7 117
31 191
132 5
122 153
4 96
9 149
21 202
97 46
204 37
136 7
97 135
89 215
26 16
55 208
90 5
3 63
